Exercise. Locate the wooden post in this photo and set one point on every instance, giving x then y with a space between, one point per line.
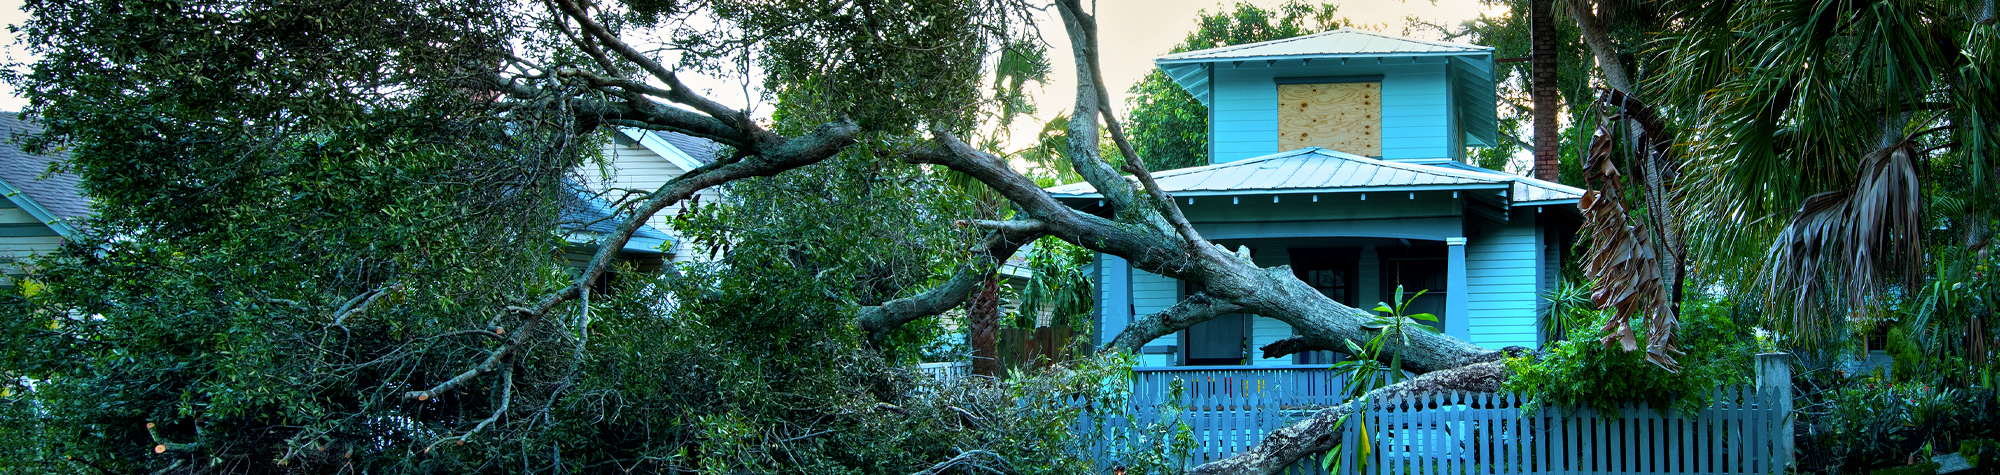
1774 371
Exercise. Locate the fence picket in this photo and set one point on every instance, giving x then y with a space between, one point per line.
1455 433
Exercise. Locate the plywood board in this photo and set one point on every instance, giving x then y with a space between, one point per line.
1342 116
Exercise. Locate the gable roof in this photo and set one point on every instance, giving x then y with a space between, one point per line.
686 151
1336 43
585 212
1318 170
55 199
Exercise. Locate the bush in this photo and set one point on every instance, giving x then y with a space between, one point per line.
1870 423
1580 372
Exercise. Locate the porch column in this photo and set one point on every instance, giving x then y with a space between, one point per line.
1456 320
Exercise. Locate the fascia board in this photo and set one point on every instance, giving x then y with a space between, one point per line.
659 146
36 210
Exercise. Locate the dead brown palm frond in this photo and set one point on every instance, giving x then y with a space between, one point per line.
1841 247
1629 265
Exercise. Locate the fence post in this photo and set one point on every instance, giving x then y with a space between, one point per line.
1774 371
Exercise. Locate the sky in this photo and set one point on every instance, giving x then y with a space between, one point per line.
1132 33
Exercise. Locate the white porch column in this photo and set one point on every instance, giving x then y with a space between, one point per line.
1457 320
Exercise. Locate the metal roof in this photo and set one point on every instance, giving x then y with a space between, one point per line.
1318 170
54 199
1345 41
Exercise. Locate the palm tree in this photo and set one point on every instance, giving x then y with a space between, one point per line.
1789 150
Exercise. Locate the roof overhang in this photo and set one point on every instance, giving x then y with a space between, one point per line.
659 146
39 212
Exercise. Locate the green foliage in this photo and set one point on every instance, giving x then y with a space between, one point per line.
1868 423
1582 372
1365 371
1059 286
1168 127
920 63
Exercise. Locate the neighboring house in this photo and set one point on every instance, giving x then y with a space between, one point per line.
40 209
642 160
587 218
1338 154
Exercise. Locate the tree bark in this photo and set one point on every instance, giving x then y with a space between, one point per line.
1542 80
878 322
1321 432
983 328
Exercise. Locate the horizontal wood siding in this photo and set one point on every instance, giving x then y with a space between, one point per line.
1503 276
1152 293
633 166
1245 115
1416 114
1114 296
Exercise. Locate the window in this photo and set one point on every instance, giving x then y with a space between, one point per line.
1224 340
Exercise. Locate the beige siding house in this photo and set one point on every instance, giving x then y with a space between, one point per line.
643 160
41 209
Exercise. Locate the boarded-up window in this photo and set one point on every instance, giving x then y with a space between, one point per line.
1337 116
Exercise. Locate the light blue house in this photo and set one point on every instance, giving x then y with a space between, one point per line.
1338 154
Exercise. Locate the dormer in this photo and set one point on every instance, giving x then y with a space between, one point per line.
1349 90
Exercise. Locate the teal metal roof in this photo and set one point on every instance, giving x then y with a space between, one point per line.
1318 170
1345 42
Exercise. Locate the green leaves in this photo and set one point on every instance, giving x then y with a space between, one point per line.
1168 127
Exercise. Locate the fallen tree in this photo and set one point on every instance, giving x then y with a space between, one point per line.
1146 228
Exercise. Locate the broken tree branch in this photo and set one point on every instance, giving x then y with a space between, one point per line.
1008 236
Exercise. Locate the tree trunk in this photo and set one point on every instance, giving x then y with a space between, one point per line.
1542 80
982 329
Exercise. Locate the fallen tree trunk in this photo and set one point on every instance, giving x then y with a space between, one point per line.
1321 432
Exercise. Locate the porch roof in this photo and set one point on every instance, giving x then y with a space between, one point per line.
1318 170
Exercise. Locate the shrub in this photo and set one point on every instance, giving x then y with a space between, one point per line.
1580 372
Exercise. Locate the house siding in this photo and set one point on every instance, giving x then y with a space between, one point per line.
1503 280
1152 293
23 236
1416 110
1114 296
631 165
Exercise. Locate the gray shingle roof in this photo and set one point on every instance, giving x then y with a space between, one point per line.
583 211
701 149
58 193
1318 170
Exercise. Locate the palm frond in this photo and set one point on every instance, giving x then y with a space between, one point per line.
1842 245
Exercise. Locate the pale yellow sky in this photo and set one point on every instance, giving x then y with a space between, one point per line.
1134 32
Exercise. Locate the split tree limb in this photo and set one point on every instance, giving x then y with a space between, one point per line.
1320 433
1008 236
